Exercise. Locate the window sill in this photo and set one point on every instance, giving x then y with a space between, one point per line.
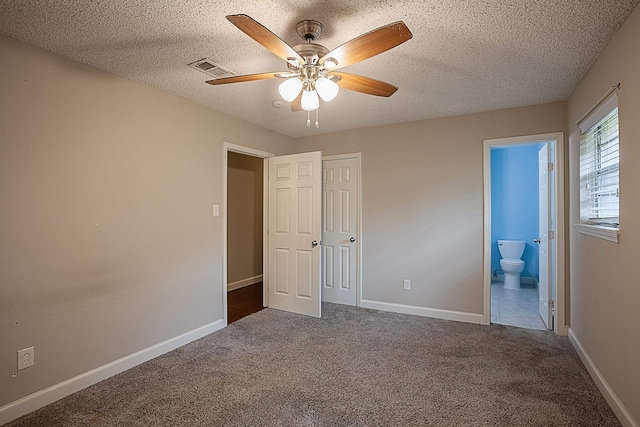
606 233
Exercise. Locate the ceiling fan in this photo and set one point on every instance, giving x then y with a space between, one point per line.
312 66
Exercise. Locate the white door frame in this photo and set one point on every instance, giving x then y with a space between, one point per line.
226 148
358 157
560 326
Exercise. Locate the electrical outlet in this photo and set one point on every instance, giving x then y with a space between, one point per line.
25 358
407 284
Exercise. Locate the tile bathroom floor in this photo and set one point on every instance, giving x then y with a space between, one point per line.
515 308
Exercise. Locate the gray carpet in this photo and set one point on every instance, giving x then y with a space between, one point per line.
353 367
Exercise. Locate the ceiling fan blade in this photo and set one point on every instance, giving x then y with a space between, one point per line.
243 78
266 38
296 104
369 44
364 84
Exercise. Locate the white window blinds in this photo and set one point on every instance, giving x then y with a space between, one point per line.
599 164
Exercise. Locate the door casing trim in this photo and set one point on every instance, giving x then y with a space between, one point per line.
560 326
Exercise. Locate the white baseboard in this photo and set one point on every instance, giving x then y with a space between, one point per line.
49 395
423 311
625 418
244 282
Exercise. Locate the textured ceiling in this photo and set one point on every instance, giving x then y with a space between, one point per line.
465 56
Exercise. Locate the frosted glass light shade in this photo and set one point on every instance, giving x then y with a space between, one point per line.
290 88
327 89
310 100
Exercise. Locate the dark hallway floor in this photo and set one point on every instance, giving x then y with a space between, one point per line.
243 302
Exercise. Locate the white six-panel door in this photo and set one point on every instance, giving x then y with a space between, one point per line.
340 230
544 244
295 186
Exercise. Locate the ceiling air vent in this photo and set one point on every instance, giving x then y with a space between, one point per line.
212 69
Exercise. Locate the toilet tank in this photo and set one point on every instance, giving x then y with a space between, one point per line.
511 249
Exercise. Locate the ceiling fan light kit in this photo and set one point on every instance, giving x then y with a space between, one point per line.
310 100
311 65
290 89
327 89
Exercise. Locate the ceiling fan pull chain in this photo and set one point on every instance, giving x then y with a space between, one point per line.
317 122
308 118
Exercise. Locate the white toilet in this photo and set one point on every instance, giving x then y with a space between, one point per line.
511 264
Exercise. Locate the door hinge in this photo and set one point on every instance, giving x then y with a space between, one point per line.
552 304
552 235
550 167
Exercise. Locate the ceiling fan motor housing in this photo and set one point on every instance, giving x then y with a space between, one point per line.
309 29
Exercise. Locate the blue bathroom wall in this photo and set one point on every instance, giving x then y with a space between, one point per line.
514 202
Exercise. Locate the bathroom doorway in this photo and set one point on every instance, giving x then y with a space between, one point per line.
512 205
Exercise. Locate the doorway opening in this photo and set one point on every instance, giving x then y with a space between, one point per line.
244 210
515 218
524 209
292 235
291 231
244 235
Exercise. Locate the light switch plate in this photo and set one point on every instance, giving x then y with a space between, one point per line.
216 210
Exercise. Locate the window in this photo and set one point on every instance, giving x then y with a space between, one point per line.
599 165
599 169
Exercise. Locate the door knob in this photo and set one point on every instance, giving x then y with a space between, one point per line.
314 243
536 240
353 239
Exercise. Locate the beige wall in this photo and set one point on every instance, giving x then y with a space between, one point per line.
422 202
109 245
605 283
244 217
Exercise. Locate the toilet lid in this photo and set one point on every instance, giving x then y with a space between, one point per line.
512 261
